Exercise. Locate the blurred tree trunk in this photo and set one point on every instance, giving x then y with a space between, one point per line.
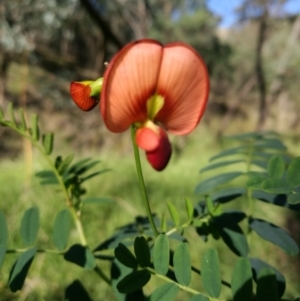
6 59
277 84
263 110
95 14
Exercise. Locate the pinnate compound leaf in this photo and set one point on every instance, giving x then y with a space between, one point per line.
124 255
255 179
211 277
94 174
166 292
199 298
174 214
142 252
81 256
61 230
293 172
3 230
117 272
267 286
258 265
275 235
276 167
182 264
189 208
63 165
213 182
260 163
48 140
294 199
230 231
161 254
220 164
20 269
30 226
271 144
278 200
76 291
229 152
133 281
274 185
241 281
228 194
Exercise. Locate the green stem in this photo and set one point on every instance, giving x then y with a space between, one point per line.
73 211
59 179
102 275
183 287
141 182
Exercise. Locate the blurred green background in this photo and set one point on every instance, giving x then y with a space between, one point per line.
254 66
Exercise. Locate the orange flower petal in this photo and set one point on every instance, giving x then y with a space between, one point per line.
147 139
159 158
184 84
129 81
80 93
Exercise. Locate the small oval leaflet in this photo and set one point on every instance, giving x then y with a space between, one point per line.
276 166
275 235
61 230
142 252
133 281
20 269
29 226
266 286
81 256
182 264
166 292
211 278
124 255
161 254
241 281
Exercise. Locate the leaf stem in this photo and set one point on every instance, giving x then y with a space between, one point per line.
141 182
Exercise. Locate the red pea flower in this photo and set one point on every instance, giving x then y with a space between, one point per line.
156 88
86 94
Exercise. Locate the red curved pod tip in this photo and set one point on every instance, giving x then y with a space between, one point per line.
80 93
160 157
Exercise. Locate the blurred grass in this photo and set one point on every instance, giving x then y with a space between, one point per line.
50 274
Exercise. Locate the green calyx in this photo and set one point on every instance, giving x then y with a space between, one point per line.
154 105
96 87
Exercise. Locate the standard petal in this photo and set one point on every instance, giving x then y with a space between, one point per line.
147 139
159 158
80 93
129 81
184 84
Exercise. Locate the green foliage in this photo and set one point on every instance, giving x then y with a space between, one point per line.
241 282
182 264
20 269
211 278
61 229
161 254
259 170
29 226
165 292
